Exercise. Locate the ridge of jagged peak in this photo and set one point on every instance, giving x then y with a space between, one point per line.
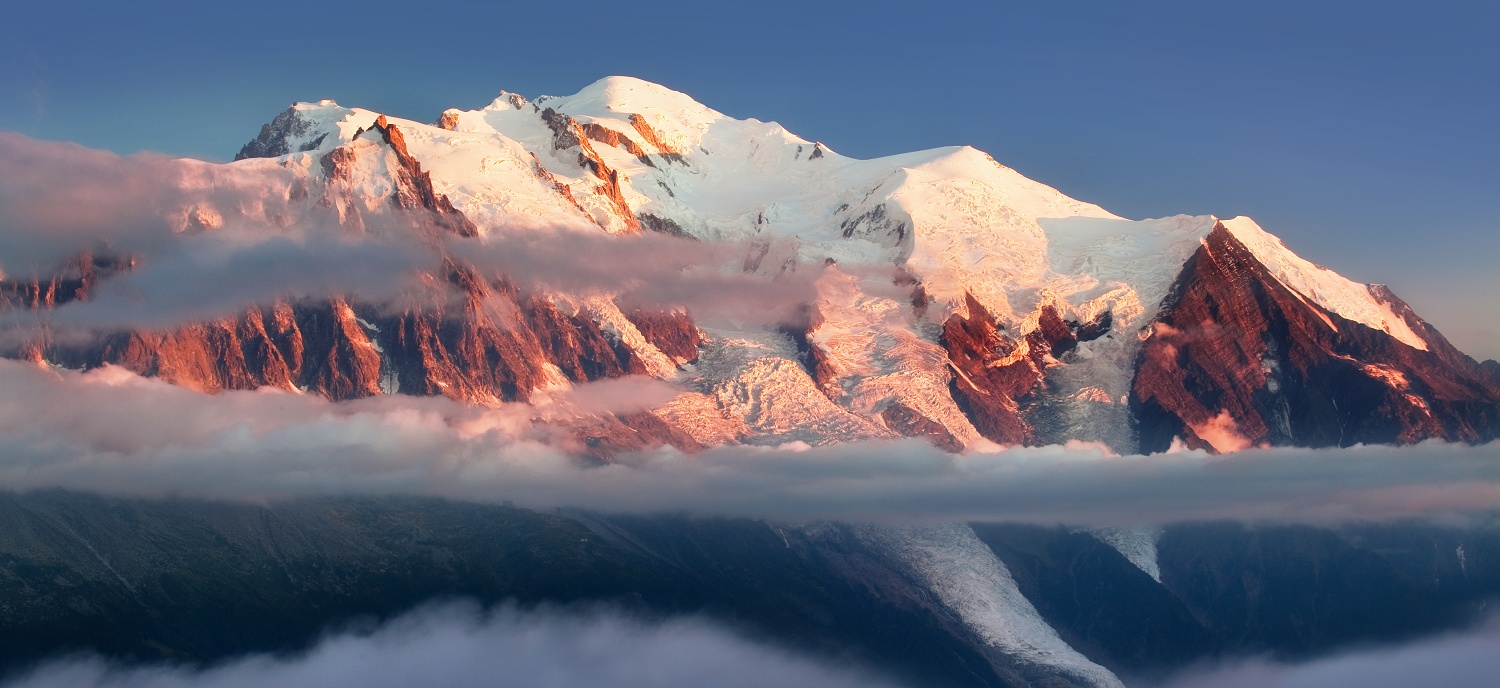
303 126
1352 300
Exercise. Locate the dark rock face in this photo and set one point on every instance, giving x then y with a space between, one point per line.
1093 329
1491 369
567 133
649 135
662 225
671 331
605 437
813 358
876 225
1236 359
995 373
414 186
74 281
273 139
910 423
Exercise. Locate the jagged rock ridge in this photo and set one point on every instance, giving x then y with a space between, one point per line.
1238 359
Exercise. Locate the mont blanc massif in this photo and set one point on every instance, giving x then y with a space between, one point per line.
645 277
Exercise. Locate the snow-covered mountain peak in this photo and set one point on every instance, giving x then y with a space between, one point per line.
623 153
947 296
617 95
1349 299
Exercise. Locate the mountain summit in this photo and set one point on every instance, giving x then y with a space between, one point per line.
948 296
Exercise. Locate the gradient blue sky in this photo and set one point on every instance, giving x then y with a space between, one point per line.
1363 133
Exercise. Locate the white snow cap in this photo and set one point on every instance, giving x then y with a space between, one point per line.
1349 299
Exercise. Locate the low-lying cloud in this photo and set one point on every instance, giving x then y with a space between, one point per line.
57 199
459 646
209 241
710 278
1466 659
214 240
112 432
211 278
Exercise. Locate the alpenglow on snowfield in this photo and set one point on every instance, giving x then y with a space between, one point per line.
936 294
643 276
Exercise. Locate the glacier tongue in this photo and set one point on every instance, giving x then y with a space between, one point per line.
1137 544
956 566
753 378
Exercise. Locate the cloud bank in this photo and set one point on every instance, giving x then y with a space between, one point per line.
460 646
60 198
209 241
1467 659
112 432
212 240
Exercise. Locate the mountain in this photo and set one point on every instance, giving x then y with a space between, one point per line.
196 582
783 294
954 300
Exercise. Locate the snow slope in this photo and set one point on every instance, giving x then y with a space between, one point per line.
626 155
1324 287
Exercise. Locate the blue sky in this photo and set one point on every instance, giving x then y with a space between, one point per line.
1361 133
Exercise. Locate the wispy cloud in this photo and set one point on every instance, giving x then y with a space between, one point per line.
458 645
61 198
258 240
111 431
707 277
210 241
1465 659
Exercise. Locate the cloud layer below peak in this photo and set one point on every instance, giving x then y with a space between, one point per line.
113 432
459 645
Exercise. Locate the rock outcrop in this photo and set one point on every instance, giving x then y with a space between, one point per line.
567 134
1237 359
74 281
995 373
273 138
414 186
